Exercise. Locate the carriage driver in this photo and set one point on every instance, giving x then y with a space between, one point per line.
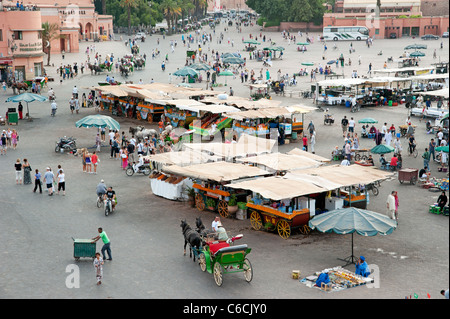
221 232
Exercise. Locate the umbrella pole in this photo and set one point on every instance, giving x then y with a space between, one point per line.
350 259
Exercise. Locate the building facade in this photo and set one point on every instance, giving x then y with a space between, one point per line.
21 55
396 18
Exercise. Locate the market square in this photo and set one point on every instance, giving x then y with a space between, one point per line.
38 230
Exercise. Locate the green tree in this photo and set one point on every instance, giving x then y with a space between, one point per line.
128 4
171 10
50 32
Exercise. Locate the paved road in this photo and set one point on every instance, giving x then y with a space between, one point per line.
36 230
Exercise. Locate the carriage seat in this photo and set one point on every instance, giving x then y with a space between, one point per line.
231 249
216 246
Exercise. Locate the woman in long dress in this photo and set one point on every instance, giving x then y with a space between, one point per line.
26 172
98 265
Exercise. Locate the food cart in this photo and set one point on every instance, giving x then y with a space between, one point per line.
211 184
408 175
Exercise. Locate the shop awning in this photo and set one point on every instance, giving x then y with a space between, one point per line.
297 151
217 171
281 161
182 158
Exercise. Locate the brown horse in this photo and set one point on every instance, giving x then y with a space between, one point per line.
19 86
95 68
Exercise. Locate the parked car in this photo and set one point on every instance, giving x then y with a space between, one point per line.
430 37
393 35
445 35
140 36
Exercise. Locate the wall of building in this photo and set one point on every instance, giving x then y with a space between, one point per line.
434 8
24 55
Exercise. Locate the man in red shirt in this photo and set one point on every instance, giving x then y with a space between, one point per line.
394 162
305 142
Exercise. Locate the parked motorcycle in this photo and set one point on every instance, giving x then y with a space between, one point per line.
66 143
143 169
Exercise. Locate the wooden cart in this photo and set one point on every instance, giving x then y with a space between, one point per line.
408 175
271 219
216 199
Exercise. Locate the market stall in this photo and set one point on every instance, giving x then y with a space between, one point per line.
211 183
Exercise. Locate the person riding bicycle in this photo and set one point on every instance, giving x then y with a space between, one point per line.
110 194
412 144
101 188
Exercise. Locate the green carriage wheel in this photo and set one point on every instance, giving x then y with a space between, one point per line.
202 261
218 274
248 270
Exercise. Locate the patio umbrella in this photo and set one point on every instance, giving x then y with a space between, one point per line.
442 149
417 53
368 120
415 46
226 73
307 63
273 48
27 97
331 62
98 121
251 41
185 72
445 117
200 67
350 220
233 60
302 43
382 149
228 54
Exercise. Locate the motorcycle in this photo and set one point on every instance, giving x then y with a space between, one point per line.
66 143
143 169
108 206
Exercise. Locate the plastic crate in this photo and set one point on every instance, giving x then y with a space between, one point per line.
434 209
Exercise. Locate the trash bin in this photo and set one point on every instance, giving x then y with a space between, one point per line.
294 135
84 248
13 118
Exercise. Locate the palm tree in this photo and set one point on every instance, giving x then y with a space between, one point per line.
186 6
171 10
129 4
50 32
103 6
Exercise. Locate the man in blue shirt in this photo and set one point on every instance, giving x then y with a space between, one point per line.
362 268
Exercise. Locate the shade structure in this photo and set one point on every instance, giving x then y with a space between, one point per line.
353 220
98 121
226 73
308 63
185 72
228 54
382 149
274 48
417 53
233 60
445 117
368 120
251 41
27 97
200 67
302 43
415 46
442 149
331 62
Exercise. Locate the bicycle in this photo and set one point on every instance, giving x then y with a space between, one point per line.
100 201
414 151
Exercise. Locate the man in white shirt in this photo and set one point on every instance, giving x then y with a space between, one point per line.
351 125
384 130
111 136
75 92
390 204
215 224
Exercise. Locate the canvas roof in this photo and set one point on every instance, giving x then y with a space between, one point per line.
216 171
442 92
281 161
297 151
181 158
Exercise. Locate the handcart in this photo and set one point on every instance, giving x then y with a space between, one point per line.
84 248
408 175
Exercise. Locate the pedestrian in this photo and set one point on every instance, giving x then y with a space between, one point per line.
18 167
390 205
14 138
83 160
49 177
61 182
20 109
344 124
312 142
445 293
351 126
305 142
3 143
311 128
124 157
106 243
98 265
26 172
98 142
426 159
95 160
432 146
396 206
72 104
37 181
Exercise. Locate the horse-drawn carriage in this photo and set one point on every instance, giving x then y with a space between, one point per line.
216 253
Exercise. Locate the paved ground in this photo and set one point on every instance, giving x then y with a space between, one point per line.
36 230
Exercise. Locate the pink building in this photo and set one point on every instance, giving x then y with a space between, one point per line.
21 54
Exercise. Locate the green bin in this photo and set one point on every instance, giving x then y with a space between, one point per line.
13 118
84 248
294 135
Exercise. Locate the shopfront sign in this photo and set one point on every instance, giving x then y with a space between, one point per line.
30 47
